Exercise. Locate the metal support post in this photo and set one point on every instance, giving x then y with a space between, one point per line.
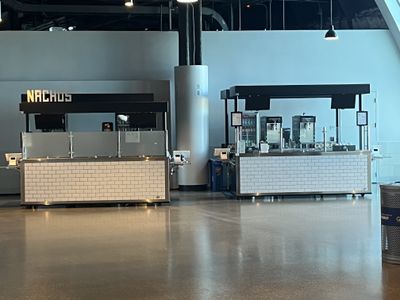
226 124
237 140
337 126
27 127
166 128
236 103
119 144
71 145
360 129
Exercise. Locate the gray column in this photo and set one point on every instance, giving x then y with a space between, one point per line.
191 91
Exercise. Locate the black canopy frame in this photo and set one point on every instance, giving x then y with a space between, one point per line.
269 92
95 103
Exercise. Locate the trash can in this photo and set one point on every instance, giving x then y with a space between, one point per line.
216 175
390 220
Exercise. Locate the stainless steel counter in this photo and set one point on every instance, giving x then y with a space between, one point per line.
303 153
89 159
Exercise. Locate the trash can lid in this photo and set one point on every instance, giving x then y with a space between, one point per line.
395 185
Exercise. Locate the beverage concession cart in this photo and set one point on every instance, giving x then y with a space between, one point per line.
271 160
124 161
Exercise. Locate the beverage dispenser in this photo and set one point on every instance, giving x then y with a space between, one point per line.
303 131
271 130
250 130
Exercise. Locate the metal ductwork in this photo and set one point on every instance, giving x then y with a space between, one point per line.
103 9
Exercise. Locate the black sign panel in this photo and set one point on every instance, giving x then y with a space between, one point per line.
96 103
101 107
346 101
96 98
258 103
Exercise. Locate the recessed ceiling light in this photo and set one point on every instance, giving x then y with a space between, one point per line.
128 3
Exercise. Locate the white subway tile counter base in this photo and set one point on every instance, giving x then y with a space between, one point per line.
328 173
68 181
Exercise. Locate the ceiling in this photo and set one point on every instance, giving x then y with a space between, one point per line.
145 15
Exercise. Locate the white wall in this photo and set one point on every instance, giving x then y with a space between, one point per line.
262 57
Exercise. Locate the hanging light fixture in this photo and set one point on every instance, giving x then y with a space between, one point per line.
187 1
129 3
331 33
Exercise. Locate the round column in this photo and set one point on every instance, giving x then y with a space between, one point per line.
191 101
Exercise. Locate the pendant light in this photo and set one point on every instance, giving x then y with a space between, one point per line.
331 33
187 1
129 3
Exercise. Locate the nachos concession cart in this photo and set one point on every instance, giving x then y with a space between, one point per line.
124 161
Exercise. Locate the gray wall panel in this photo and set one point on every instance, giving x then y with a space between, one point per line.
84 55
78 62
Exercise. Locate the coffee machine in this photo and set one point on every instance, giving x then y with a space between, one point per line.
303 131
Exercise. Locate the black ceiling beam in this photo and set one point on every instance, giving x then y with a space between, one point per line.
184 35
297 91
198 30
87 107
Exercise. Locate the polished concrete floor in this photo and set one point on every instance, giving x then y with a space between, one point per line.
202 246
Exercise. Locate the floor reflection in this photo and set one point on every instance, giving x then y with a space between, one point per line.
203 246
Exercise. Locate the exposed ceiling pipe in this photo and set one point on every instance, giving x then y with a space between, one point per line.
240 14
102 9
170 15
161 17
216 16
